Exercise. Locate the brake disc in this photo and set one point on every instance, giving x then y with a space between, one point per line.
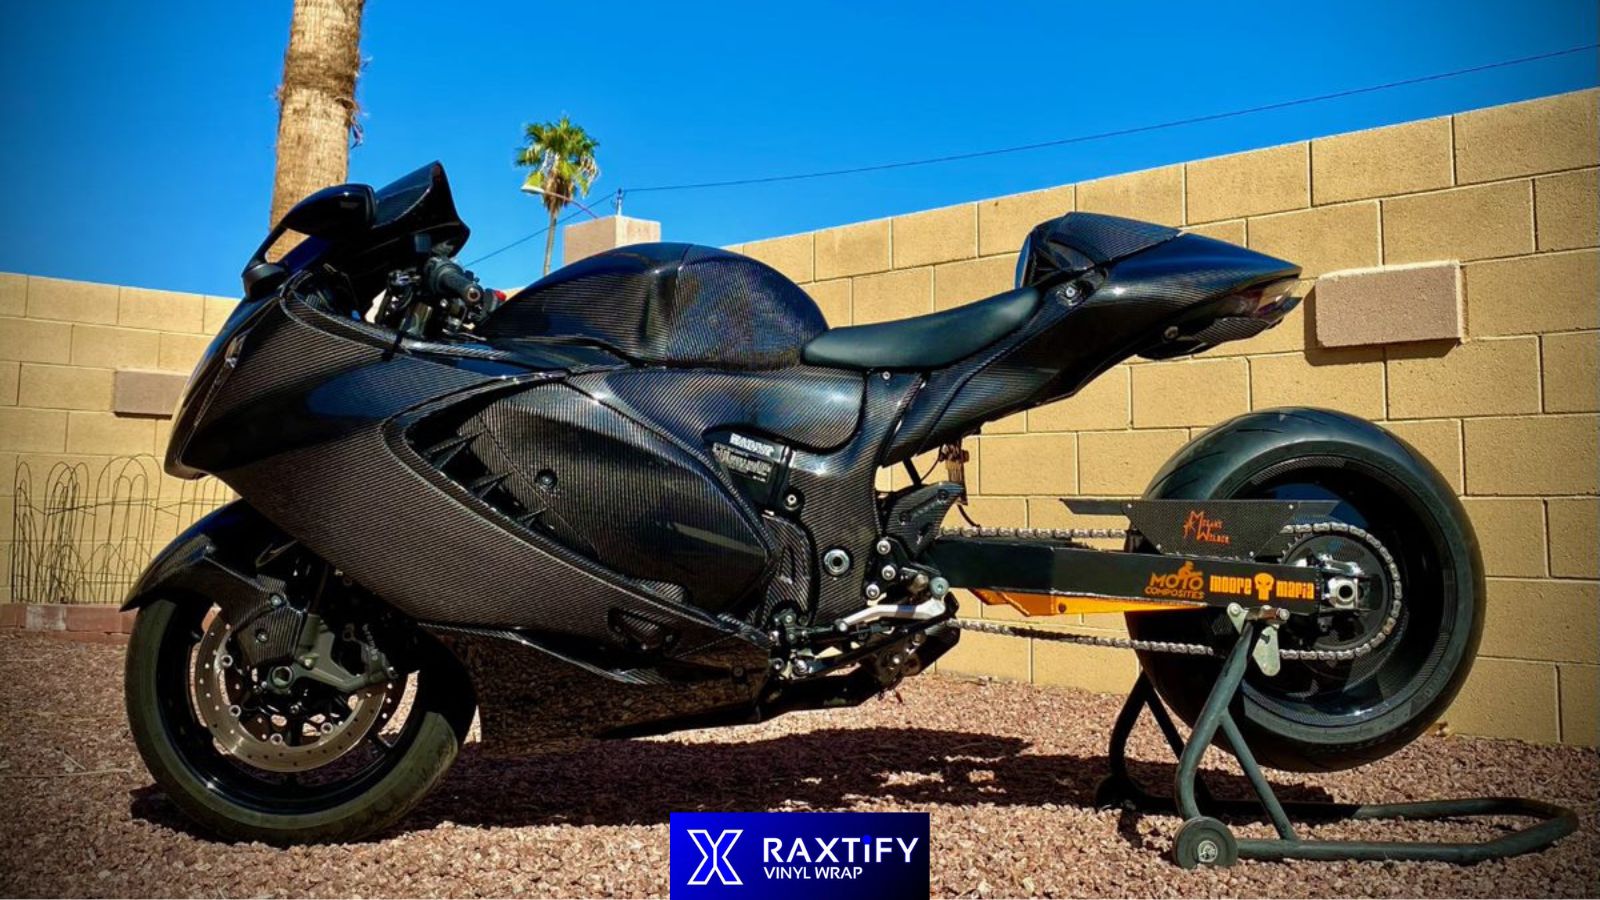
255 737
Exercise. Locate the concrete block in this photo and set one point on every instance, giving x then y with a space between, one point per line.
1323 239
790 255
1533 294
1580 704
10 382
1510 535
1249 184
1004 222
1024 464
1389 305
892 295
1463 223
32 340
1566 210
33 430
109 347
13 295
1104 403
833 297
1153 195
1571 372
1382 162
94 432
1350 380
180 352
146 393
217 311
72 301
1231 231
1120 463
934 236
1529 138
1479 378
161 310
1102 669
1557 621
1508 698
1546 455
989 655
1574 537
64 387
857 249
581 240
960 283
1189 392
1439 442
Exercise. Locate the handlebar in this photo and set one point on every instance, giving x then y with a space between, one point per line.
445 277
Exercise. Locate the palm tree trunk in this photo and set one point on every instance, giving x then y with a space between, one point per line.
316 102
549 241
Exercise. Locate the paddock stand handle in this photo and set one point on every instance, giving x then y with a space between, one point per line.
1203 840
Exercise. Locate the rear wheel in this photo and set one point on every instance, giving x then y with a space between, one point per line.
249 760
1321 713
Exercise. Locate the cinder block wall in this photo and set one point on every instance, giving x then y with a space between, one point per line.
1508 415
61 345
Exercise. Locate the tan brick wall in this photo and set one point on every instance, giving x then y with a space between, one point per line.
61 344
1508 415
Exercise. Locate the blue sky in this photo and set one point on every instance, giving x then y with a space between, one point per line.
139 136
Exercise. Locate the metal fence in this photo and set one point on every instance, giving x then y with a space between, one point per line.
82 534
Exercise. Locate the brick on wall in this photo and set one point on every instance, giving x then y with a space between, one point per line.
892 295
833 298
1579 689
1324 239
959 283
1509 698
1547 455
1510 535
1574 523
1004 222
934 236
1439 442
1571 368
1465 223
1544 135
1154 195
1500 294
1248 184
1382 162
1520 621
1565 215
1480 378
1350 380
852 249
790 255
1201 391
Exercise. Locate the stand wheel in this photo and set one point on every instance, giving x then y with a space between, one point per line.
1112 792
1204 841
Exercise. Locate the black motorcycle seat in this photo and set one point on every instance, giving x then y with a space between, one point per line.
923 342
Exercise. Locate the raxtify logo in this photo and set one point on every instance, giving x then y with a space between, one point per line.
1188 583
1207 531
714 856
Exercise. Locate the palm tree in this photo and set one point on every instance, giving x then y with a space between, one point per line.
317 100
561 156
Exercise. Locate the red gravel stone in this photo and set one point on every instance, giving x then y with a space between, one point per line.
1006 771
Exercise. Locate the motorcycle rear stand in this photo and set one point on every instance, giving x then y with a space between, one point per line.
1205 841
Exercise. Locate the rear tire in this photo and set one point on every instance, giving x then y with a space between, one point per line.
1331 718
234 802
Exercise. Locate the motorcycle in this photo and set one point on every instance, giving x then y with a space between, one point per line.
640 495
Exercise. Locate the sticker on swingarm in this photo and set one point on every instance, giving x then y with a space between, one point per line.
799 854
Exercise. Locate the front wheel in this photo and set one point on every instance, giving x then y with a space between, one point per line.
1325 714
306 763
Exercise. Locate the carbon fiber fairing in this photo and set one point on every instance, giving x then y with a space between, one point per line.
672 304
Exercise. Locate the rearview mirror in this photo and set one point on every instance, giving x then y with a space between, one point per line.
335 211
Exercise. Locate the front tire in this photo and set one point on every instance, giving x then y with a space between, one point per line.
237 802
1322 716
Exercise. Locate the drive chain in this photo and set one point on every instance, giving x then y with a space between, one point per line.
1071 535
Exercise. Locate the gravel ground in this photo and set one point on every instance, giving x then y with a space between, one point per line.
1007 772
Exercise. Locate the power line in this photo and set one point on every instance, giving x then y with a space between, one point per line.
522 240
1138 129
1078 139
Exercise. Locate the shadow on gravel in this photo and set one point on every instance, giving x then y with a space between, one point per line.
640 782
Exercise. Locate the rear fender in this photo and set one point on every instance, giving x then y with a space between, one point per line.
214 559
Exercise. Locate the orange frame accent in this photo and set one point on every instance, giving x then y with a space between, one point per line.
1058 605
